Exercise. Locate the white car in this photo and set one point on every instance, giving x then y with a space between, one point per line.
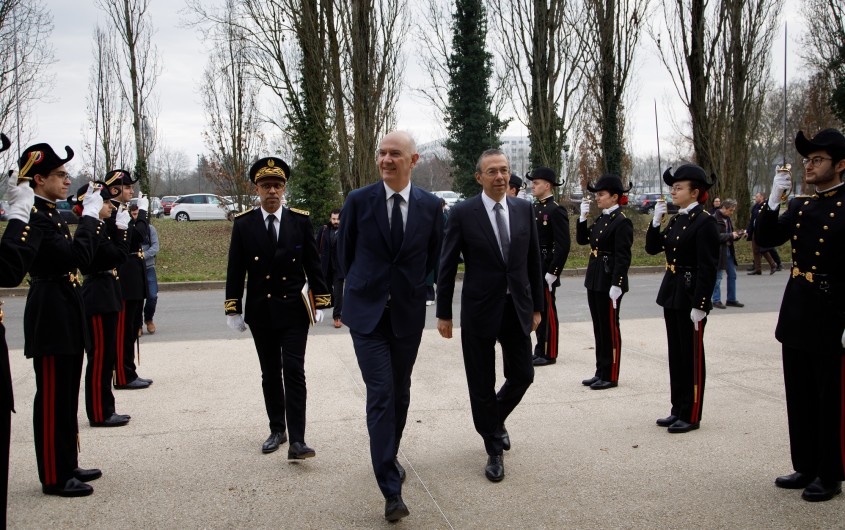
200 207
451 197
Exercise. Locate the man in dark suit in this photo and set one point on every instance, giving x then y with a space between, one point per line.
390 236
275 247
502 284
327 243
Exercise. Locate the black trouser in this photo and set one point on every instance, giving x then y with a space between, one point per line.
54 416
814 381
686 364
99 399
547 331
386 363
490 409
337 298
607 334
281 354
5 438
127 334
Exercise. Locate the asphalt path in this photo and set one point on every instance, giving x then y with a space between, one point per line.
198 315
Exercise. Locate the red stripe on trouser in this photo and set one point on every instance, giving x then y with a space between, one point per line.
97 379
551 320
121 375
697 346
48 413
615 344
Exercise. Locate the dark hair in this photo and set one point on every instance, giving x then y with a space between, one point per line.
133 207
702 193
336 211
486 153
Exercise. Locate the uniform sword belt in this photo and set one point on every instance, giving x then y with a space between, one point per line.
68 277
111 273
596 252
818 280
679 268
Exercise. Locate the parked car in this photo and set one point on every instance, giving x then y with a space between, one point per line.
167 203
644 203
200 207
452 198
156 209
66 211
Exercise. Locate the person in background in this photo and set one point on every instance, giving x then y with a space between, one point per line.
757 252
727 254
327 243
150 248
717 203
515 185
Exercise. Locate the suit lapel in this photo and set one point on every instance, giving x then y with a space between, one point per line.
378 202
285 230
414 213
487 228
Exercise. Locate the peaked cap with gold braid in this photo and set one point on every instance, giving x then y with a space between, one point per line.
269 167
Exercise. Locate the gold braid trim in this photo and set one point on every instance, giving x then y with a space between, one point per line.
231 305
322 300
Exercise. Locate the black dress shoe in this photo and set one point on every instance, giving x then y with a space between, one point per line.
735 303
400 469
755 273
86 475
603 385
779 267
543 361
137 384
590 381
681 426
502 434
148 381
71 488
667 421
822 490
720 305
115 420
273 442
795 481
495 470
395 509
300 451
773 271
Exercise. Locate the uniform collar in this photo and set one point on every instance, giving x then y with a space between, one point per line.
608 211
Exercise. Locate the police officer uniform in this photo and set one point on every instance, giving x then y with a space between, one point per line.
277 308
691 244
553 233
133 287
55 330
103 303
810 325
610 238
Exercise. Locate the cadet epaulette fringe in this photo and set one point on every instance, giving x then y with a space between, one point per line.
300 212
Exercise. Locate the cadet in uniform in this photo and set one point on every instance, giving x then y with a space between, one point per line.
133 279
54 320
553 231
279 260
17 249
103 303
515 185
691 245
610 238
811 322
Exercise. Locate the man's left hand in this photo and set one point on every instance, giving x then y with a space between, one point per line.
843 339
550 279
444 326
536 321
615 293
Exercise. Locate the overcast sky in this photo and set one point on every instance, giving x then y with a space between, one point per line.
183 56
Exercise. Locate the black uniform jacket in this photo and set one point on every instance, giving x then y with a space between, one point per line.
691 244
54 319
17 248
811 314
133 272
610 239
277 273
101 285
553 234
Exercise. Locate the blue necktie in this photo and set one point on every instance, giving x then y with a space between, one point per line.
397 229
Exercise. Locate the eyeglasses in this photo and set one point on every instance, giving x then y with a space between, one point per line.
61 174
267 186
676 187
816 160
493 172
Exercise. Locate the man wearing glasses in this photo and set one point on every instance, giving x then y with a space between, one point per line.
811 324
275 247
501 299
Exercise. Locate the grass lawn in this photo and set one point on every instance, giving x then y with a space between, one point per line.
197 251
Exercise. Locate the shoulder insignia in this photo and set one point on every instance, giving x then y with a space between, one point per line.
243 213
34 209
300 212
804 196
706 212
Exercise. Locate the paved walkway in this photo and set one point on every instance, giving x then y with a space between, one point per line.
190 457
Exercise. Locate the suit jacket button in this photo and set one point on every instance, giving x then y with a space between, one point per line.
267 277
268 296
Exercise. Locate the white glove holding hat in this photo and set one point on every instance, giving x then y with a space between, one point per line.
93 201
21 198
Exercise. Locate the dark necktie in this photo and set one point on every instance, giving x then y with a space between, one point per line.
271 228
397 230
504 238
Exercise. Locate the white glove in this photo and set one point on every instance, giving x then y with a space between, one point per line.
21 198
318 315
660 210
236 322
143 202
780 185
550 279
122 219
843 339
93 201
585 210
615 293
696 315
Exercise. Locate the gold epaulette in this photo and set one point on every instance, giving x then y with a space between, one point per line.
300 212
243 213
34 209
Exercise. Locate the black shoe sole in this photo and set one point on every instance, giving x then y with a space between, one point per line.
820 497
293 456
396 515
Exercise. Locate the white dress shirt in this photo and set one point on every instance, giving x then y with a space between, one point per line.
491 214
277 215
406 194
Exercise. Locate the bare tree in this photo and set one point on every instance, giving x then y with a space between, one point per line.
25 27
543 57
139 70
824 46
168 168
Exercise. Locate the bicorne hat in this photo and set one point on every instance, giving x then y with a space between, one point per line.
40 159
106 193
516 182
689 172
611 183
830 140
269 167
543 173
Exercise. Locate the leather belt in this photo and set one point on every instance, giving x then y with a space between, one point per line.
816 279
595 252
100 274
69 276
679 268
